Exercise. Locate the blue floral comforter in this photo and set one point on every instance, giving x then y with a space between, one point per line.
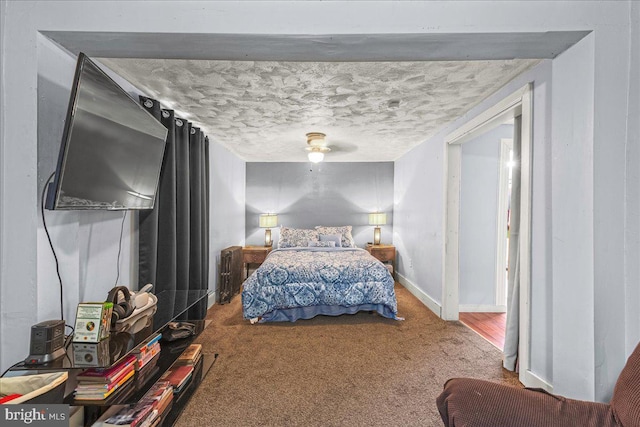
296 283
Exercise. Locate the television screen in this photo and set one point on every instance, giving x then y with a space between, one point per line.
112 149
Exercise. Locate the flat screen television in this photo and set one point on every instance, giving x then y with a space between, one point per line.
112 148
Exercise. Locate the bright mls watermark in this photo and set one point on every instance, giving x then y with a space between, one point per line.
34 415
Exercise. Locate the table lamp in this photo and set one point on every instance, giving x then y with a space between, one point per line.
268 221
377 219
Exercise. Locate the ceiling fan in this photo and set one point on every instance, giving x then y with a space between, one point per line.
317 146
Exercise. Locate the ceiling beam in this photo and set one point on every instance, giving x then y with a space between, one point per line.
346 47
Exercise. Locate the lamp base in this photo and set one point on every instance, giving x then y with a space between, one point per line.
267 238
376 236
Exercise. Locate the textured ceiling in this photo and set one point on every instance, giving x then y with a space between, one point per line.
261 110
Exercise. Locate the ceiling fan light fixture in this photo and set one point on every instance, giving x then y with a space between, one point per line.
317 146
316 139
315 156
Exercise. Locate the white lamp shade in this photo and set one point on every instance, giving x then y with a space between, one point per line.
377 218
268 220
316 156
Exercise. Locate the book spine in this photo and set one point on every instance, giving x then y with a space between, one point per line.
107 380
143 416
109 374
100 396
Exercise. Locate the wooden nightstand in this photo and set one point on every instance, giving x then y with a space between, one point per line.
384 253
254 255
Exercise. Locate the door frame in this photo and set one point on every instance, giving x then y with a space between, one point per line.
518 103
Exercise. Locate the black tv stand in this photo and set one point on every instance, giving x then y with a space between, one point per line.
180 400
172 305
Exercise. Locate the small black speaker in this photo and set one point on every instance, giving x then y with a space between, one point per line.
47 342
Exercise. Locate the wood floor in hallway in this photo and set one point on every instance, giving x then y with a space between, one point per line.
490 326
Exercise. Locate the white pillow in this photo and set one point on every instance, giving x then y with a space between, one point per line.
346 239
335 238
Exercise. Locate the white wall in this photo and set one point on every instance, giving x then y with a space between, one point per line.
418 210
227 202
584 334
418 226
419 186
85 242
572 220
610 118
55 76
542 351
632 218
479 178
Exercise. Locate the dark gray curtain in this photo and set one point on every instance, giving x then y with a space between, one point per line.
195 189
198 239
148 227
173 237
183 197
166 206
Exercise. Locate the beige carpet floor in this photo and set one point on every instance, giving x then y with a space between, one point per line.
355 370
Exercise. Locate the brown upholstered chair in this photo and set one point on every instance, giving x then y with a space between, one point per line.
467 402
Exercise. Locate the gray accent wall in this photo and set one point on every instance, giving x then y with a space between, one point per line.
327 193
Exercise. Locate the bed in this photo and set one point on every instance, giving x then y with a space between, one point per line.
305 278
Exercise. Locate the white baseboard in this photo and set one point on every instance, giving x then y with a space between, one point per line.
482 308
211 300
534 381
431 304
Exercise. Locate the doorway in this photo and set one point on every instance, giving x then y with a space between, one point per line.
517 104
486 175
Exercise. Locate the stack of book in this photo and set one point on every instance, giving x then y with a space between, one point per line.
178 376
99 384
147 351
148 371
160 397
147 356
191 356
148 412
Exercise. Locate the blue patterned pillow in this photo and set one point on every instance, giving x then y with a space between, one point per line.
296 237
322 244
346 239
